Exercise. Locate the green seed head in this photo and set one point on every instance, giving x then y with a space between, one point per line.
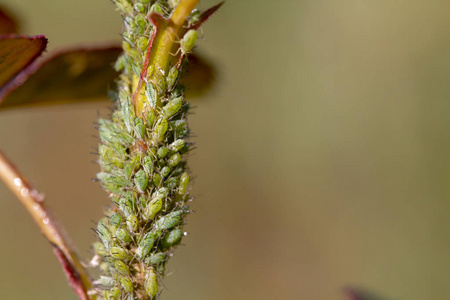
143 152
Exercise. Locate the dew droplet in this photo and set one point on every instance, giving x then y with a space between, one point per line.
17 181
24 192
35 194
46 221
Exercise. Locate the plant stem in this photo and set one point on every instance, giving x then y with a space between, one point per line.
34 203
159 52
162 52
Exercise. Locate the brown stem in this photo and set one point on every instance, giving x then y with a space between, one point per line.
34 203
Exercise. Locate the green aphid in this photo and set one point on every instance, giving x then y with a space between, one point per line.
147 164
142 43
130 25
104 232
128 170
136 161
106 134
123 236
168 221
172 238
120 63
173 107
161 193
150 118
195 17
114 293
139 7
179 128
157 179
174 160
111 182
99 249
188 41
117 253
109 157
155 258
152 152
151 95
157 9
152 209
151 283
116 219
162 152
161 85
135 66
132 223
162 269
123 138
141 24
106 294
173 3
172 77
172 183
106 281
142 202
126 46
184 182
146 244
177 145
139 127
121 267
165 171
113 229
160 130
127 37
127 285
141 180
124 5
104 267
127 111
114 242
178 171
126 204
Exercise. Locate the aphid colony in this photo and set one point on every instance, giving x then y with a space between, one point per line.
143 168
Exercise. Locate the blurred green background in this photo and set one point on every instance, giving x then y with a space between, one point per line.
322 160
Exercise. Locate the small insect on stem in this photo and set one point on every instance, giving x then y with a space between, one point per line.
187 42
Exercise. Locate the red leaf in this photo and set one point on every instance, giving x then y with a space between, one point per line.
17 52
359 294
71 273
74 75
206 15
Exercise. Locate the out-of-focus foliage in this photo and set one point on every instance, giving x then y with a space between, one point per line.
322 161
